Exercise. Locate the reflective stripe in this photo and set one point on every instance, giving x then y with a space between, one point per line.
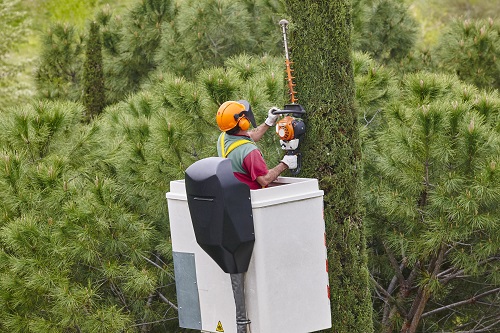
233 145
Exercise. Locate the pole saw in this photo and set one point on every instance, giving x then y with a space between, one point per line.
291 127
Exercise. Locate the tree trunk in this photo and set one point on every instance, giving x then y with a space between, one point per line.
321 49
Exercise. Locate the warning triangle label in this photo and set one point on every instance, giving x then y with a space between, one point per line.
219 327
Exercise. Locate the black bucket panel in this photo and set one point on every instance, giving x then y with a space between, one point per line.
221 213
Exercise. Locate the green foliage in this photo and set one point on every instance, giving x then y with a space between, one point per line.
110 26
471 49
213 30
433 15
206 33
432 192
76 12
94 97
74 254
320 33
84 229
375 87
387 31
21 44
265 14
161 35
13 30
132 44
59 73
12 24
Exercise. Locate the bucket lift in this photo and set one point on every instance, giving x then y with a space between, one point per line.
271 239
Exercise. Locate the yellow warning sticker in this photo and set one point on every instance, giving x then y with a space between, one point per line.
219 327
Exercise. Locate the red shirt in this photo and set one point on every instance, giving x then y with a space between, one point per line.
254 166
246 160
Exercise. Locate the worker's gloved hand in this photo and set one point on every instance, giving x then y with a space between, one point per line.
290 161
272 118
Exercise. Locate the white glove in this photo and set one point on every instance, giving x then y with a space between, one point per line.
271 118
290 161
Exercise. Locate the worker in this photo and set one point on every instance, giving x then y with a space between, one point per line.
237 143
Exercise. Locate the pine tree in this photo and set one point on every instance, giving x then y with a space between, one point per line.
76 255
321 50
209 32
432 192
159 35
204 34
263 17
59 72
384 29
134 46
110 26
471 50
84 243
94 97
376 85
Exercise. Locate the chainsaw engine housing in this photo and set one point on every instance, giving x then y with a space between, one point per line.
289 128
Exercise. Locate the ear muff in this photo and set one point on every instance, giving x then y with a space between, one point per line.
244 123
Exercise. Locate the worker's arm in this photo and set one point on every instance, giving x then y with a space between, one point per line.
288 162
271 174
257 133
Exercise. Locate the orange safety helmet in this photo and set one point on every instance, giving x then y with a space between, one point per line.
232 114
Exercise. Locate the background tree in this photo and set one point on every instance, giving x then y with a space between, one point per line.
94 96
322 54
160 35
75 11
387 31
84 228
132 44
65 238
471 50
376 86
432 192
73 194
205 33
59 73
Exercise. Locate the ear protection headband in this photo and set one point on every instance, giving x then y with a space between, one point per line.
242 120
